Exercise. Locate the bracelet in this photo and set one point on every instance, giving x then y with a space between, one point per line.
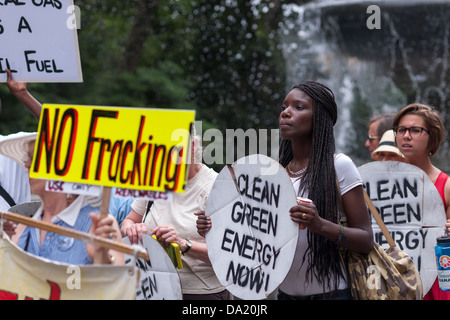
341 235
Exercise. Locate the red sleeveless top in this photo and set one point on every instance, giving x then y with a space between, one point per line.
435 292
440 184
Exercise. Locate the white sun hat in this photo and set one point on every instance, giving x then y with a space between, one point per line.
387 144
15 146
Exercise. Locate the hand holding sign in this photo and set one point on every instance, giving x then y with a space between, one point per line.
203 223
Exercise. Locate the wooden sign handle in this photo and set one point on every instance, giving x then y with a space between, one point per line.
76 234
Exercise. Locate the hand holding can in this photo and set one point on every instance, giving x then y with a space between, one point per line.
303 200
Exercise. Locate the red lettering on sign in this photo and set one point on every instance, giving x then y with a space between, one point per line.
55 293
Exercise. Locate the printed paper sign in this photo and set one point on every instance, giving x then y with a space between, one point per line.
144 194
74 188
24 276
159 279
133 148
38 41
411 208
253 240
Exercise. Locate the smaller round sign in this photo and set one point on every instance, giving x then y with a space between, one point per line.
411 208
159 279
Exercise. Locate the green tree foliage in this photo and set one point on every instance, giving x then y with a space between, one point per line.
221 58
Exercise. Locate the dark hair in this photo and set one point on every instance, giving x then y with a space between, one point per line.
384 123
319 180
432 120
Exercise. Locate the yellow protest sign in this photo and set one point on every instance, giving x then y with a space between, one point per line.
134 148
27 277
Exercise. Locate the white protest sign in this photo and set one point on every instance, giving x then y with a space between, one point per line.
411 208
159 279
38 41
253 240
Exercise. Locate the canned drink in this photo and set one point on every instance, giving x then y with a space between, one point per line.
303 200
442 251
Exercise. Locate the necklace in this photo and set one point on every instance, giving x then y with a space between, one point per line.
298 172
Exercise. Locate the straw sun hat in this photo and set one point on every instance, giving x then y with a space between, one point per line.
15 146
387 144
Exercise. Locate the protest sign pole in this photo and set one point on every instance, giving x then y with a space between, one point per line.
378 219
86 237
104 210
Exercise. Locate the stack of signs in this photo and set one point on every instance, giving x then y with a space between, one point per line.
411 208
159 279
253 240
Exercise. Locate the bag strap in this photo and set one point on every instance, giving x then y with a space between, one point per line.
372 209
378 219
6 196
147 210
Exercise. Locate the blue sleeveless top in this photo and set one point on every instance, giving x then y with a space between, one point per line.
58 247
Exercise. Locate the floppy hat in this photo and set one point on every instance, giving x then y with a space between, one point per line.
387 144
15 146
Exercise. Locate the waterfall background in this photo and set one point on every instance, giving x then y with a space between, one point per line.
372 71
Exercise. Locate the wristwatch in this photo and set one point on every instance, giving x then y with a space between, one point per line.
188 247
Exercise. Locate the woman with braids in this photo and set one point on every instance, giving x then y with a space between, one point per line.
307 151
306 122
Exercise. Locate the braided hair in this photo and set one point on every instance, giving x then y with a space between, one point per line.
319 180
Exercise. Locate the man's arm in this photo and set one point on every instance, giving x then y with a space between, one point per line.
19 90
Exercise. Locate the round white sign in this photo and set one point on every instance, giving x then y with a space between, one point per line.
253 240
159 279
412 210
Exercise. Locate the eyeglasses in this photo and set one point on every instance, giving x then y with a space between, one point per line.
414 131
371 138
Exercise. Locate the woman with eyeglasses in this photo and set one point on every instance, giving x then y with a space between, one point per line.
419 132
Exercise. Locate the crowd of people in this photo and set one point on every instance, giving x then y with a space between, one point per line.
307 151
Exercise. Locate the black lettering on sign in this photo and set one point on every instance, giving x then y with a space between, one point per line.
400 213
257 218
250 247
392 189
23 24
48 3
149 287
259 190
47 66
6 66
14 2
254 278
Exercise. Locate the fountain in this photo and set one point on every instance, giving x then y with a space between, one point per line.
372 68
